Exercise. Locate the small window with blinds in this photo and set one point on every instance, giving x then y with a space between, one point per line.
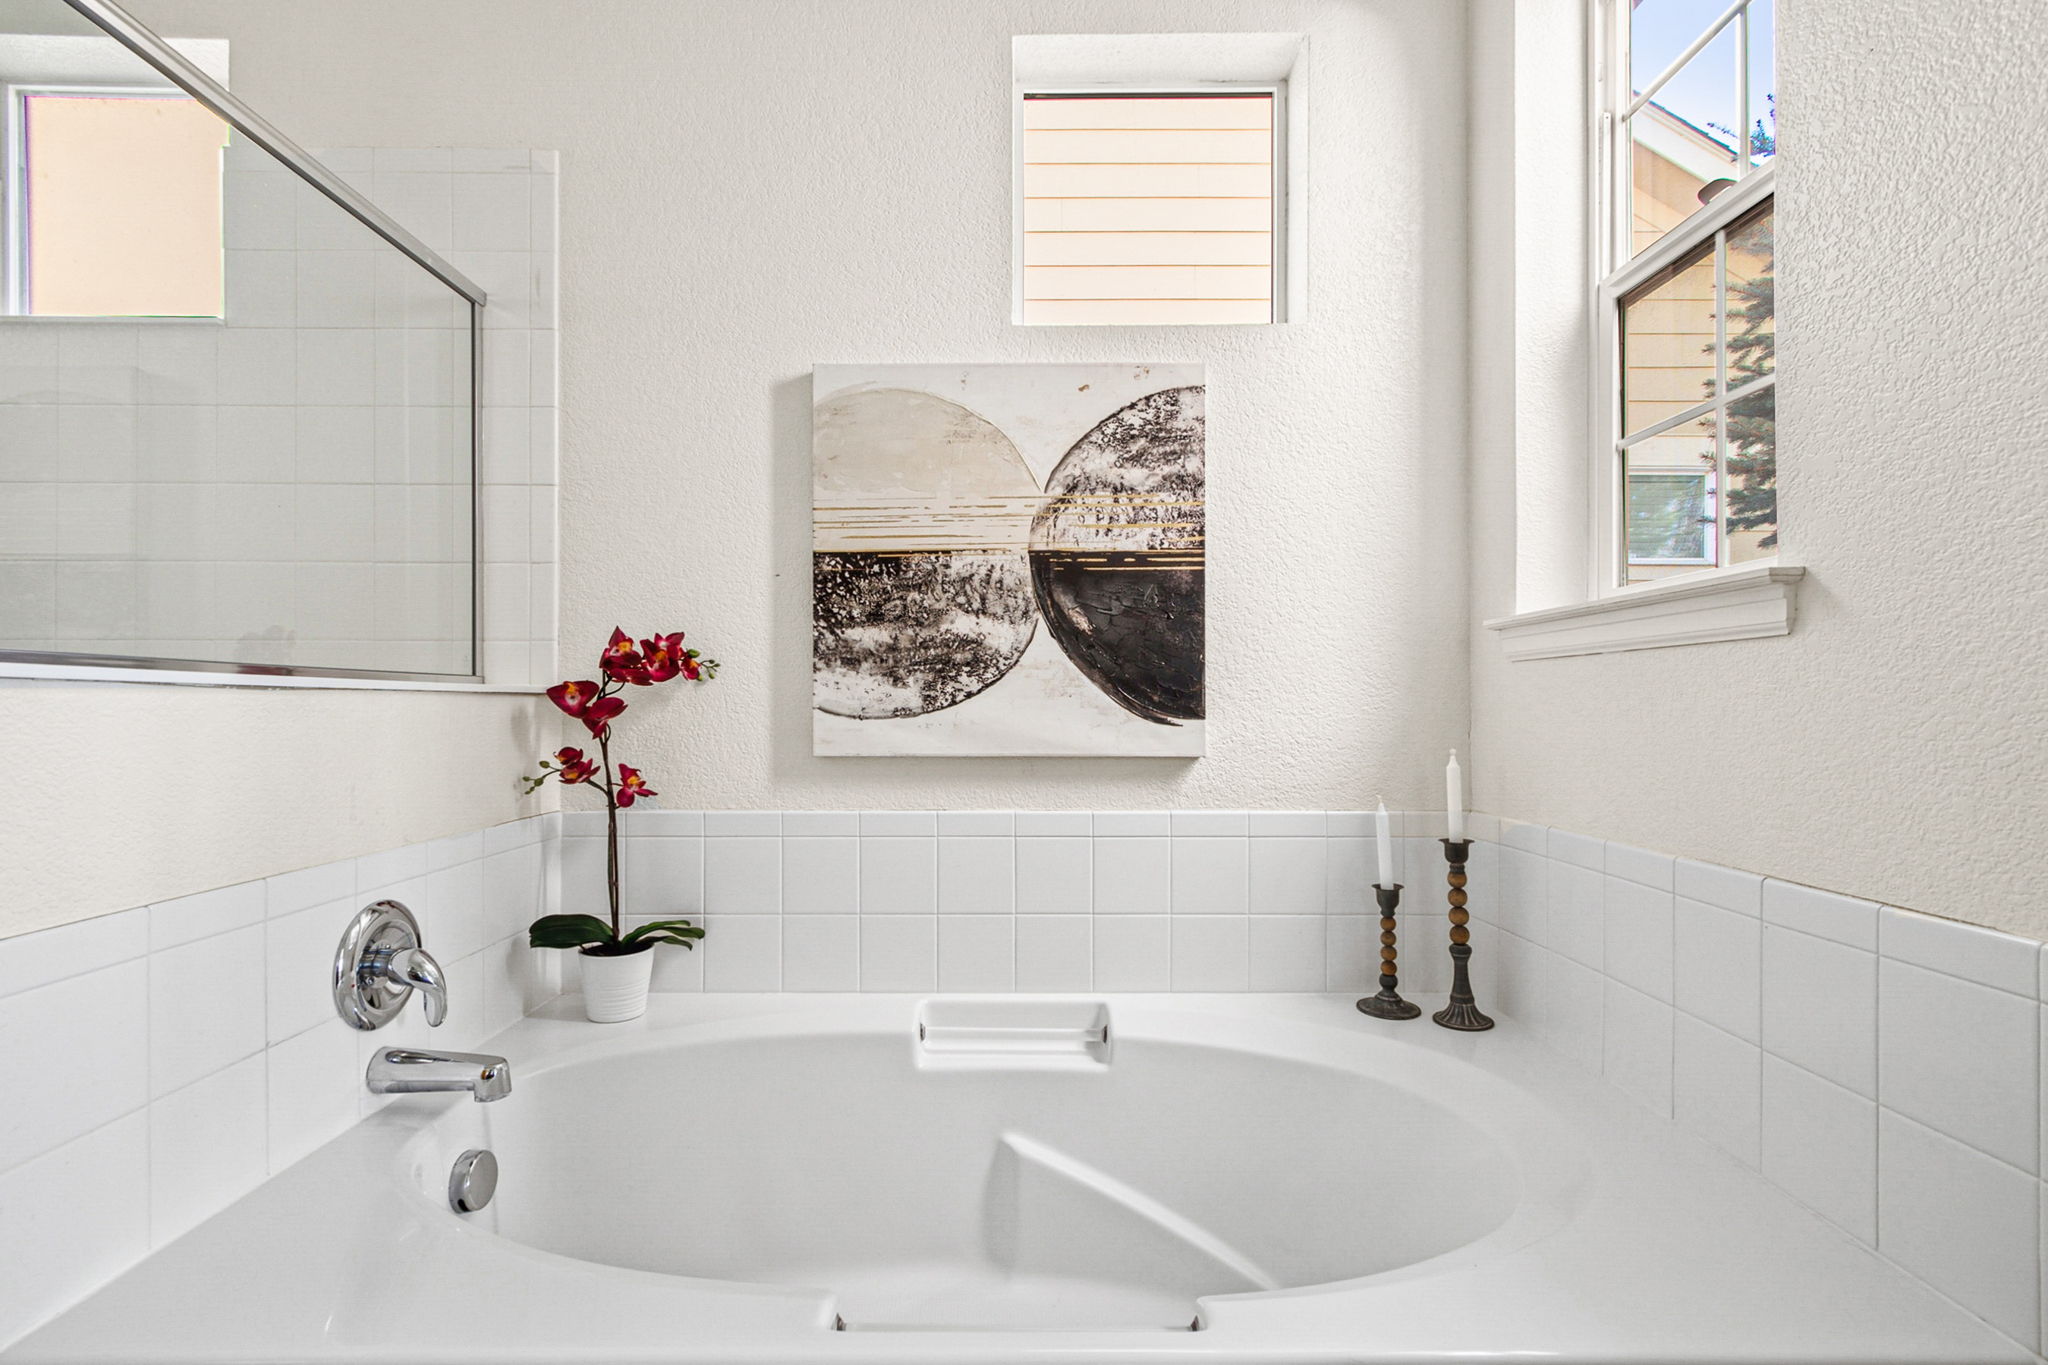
1147 208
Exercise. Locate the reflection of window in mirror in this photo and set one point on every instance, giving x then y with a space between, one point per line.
112 188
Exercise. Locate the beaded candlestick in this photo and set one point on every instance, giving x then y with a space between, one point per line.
1461 1013
1388 1004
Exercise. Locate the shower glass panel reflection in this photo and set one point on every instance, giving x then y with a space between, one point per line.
236 416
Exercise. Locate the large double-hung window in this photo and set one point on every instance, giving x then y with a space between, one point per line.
1686 451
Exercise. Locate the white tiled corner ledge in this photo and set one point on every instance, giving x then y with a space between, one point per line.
1747 603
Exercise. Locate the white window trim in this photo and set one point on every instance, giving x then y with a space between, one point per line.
1746 602
1184 63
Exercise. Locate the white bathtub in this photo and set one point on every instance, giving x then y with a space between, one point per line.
892 1179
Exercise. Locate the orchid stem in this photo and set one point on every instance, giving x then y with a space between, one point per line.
611 823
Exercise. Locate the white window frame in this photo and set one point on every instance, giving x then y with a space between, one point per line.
1276 90
1612 151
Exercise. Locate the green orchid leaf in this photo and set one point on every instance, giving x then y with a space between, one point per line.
677 927
670 938
568 931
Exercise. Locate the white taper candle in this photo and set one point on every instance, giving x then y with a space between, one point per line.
1454 796
1384 830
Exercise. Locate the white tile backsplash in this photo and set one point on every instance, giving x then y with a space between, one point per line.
1982 955
1210 952
94 1025
1055 952
204 915
1289 875
1845 919
899 952
977 953
1751 1012
1819 1144
1637 942
72 950
1963 1222
820 952
1819 1007
1636 1046
208 1146
1959 1058
1055 875
1886 1068
1209 875
977 874
1133 953
76 1217
820 875
1716 1086
1133 875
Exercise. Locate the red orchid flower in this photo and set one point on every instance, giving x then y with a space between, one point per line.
663 656
597 717
632 786
575 767
586 701
623 663
689 666
574 697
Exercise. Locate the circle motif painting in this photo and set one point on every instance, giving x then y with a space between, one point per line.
956 507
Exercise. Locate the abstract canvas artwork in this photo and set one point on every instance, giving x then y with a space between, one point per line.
1007 560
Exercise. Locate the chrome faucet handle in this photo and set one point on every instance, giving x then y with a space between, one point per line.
379 964
418 970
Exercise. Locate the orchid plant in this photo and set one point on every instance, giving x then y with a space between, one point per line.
597 704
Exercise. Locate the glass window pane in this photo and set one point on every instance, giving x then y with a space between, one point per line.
1670 519
1753 476
123 205
1670 512
1667 343
1763 83
1658 30
1683 142
1752 300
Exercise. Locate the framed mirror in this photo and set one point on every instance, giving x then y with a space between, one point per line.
238 403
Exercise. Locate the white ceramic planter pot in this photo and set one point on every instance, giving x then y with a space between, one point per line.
615 988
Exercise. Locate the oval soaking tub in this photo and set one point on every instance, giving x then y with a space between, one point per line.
889 1180
1014 1164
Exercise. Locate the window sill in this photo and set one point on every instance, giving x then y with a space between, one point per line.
1748 603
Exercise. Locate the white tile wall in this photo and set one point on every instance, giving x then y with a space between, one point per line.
195 1095
1201 900
1887 1069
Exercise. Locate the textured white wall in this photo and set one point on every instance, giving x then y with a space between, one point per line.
749 189
121 794
1893 747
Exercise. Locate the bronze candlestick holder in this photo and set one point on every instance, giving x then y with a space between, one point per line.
1461 1013
1388 1004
